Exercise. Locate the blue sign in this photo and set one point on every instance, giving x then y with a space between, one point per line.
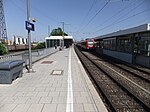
29 26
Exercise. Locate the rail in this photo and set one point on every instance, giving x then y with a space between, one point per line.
114 89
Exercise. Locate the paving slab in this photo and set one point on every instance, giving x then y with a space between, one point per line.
50 108
59 86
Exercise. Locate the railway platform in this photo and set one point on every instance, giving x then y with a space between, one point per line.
59 83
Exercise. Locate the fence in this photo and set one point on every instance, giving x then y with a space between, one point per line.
36 55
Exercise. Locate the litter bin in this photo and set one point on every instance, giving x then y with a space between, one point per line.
10 70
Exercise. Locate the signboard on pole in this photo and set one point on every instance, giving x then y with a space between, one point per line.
29 26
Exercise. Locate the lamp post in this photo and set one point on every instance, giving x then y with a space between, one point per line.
29 37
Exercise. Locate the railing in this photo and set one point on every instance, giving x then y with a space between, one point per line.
36 55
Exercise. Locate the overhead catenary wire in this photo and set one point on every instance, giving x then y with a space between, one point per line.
37 20
121 16
46 16
95 15
21 9
41 13
117 13
90 9
108 26
87 16
101 9
37 10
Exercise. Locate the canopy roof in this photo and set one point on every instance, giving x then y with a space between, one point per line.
141 28
58 37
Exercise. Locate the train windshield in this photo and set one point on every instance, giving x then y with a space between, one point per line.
90 41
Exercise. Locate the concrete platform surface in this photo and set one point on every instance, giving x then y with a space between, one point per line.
59 84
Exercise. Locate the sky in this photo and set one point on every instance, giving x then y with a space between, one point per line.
82 18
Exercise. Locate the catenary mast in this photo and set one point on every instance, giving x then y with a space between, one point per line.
3 31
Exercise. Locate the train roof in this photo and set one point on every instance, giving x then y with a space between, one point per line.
141 28
58 37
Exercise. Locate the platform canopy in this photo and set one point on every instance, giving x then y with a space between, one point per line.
141 28
58 37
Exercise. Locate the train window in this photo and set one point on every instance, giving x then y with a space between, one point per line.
124 45
144 44
109 44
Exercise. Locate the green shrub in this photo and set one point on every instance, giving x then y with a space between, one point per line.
40 45
3 49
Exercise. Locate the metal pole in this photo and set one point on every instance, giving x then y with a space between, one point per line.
46 43
48 30
63 36
29 37
49 36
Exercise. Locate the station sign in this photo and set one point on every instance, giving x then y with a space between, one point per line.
29 26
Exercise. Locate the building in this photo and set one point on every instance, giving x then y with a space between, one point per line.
19 40
58 41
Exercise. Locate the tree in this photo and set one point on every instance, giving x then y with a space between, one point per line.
40 45
3 49
58 32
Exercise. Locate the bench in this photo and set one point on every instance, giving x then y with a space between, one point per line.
10 70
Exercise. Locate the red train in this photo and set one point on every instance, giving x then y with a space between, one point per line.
87 44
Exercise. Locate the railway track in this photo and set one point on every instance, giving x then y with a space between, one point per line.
139 71
139 68
142 79
140 74
121 93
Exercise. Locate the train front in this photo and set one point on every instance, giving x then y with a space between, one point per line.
90 44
